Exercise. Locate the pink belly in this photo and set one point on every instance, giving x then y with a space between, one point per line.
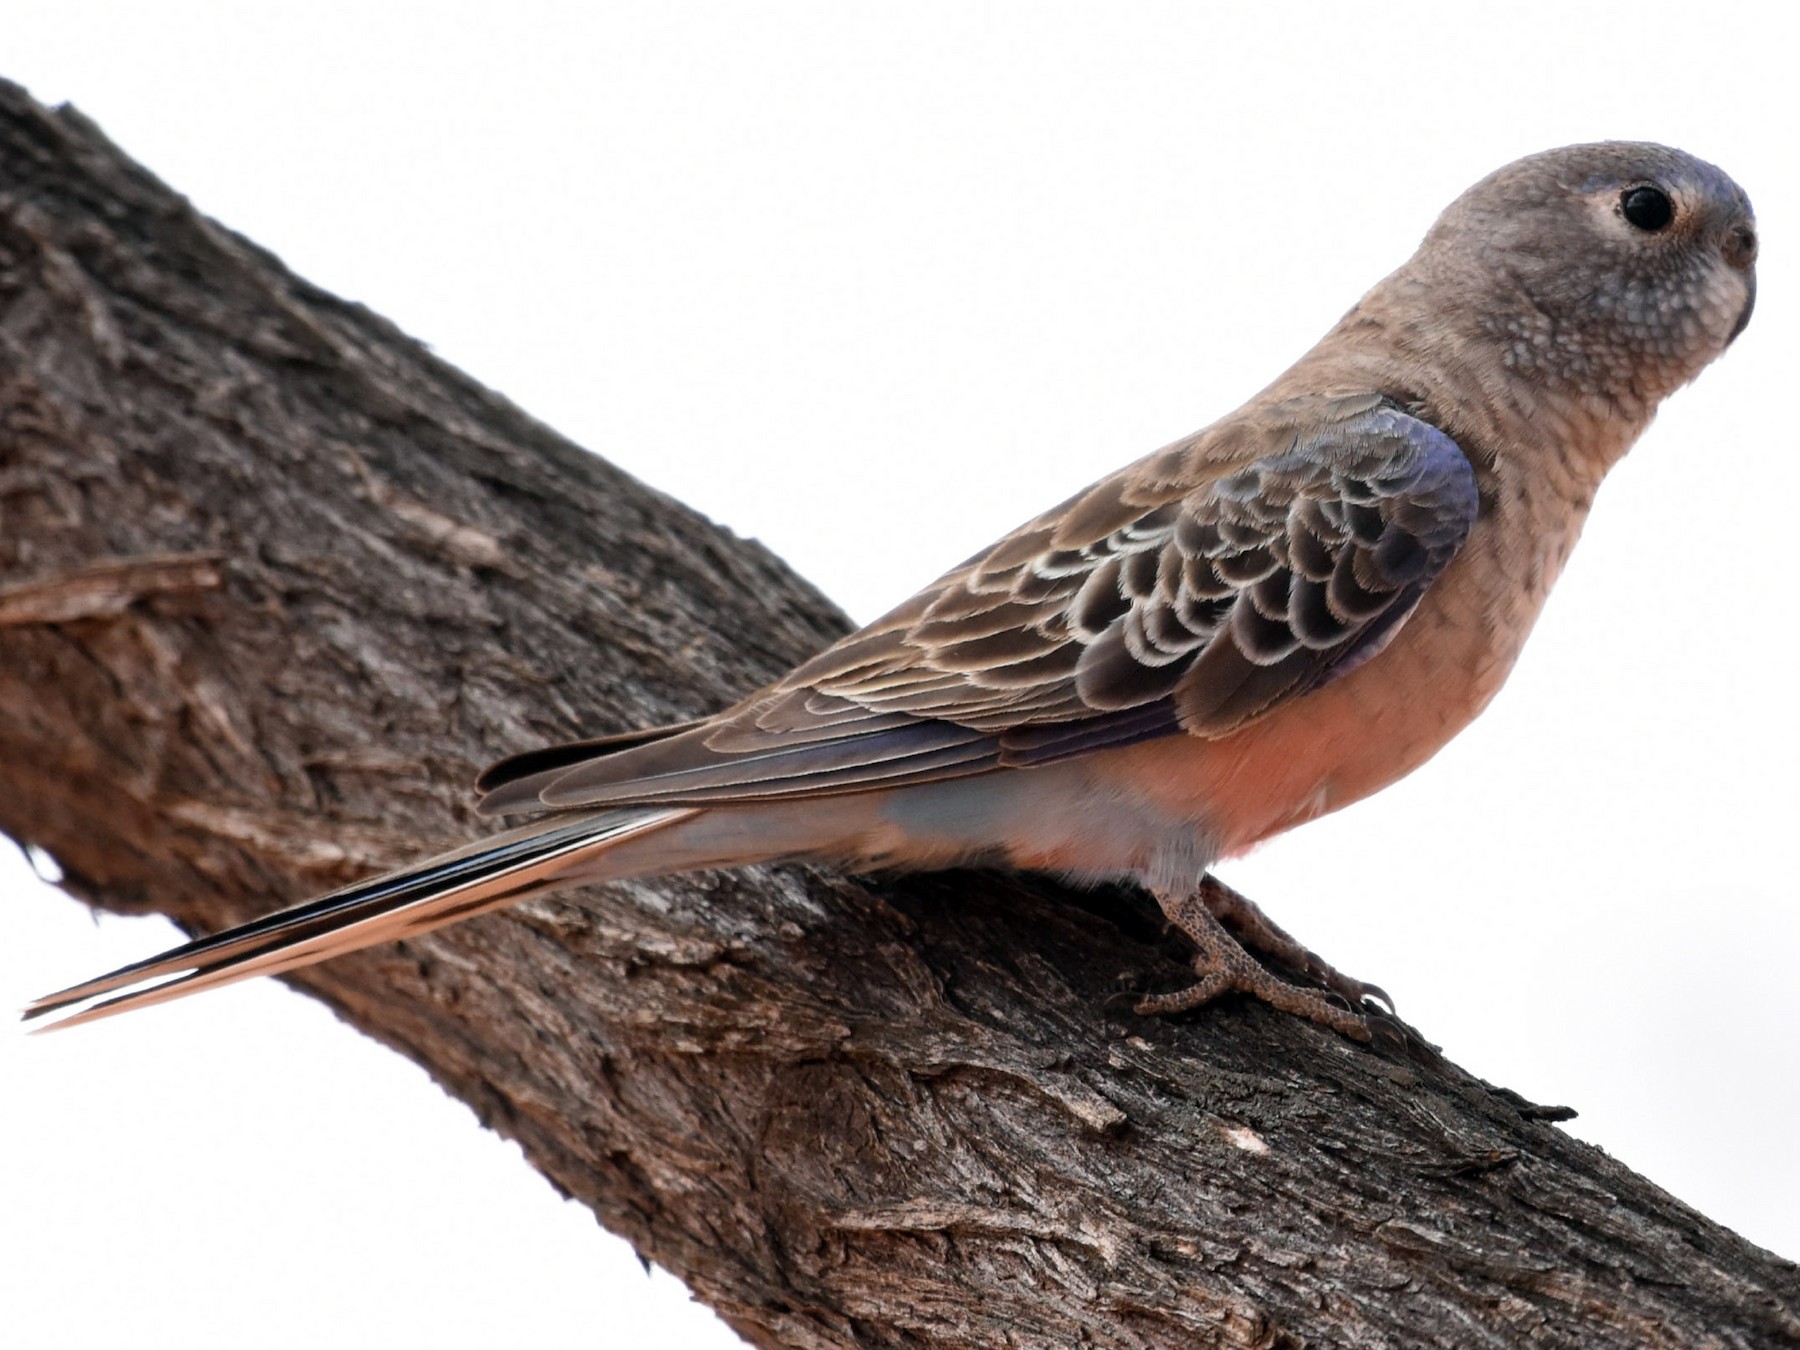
1340 743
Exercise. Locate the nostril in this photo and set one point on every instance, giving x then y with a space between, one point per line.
1740 246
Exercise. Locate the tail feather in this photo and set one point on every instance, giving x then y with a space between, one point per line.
497 871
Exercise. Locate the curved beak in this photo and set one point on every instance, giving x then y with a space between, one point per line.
1743 318
1739 249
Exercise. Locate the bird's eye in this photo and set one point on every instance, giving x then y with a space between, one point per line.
1647 208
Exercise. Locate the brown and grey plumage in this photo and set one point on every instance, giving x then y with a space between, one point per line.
1258 624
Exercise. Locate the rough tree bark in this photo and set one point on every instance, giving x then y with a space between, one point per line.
274 582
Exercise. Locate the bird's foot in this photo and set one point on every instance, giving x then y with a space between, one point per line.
1260 934
1225 966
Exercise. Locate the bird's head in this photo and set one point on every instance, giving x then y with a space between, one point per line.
1618 269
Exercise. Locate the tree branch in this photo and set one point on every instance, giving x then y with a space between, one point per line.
274 582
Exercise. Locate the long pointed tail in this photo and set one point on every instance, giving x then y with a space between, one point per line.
496 871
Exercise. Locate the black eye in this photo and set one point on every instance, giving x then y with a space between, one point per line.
1647 208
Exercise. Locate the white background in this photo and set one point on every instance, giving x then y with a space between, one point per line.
874 283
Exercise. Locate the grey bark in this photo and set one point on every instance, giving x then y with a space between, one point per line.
274 583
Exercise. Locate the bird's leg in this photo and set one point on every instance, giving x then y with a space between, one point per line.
1260 934
1225 967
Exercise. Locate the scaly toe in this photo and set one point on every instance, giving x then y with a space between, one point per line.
1315 1007
1202 991
1259 984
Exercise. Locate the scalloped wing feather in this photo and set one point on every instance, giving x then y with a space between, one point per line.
1191 592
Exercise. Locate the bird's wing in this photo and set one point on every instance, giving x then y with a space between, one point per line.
1172 596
